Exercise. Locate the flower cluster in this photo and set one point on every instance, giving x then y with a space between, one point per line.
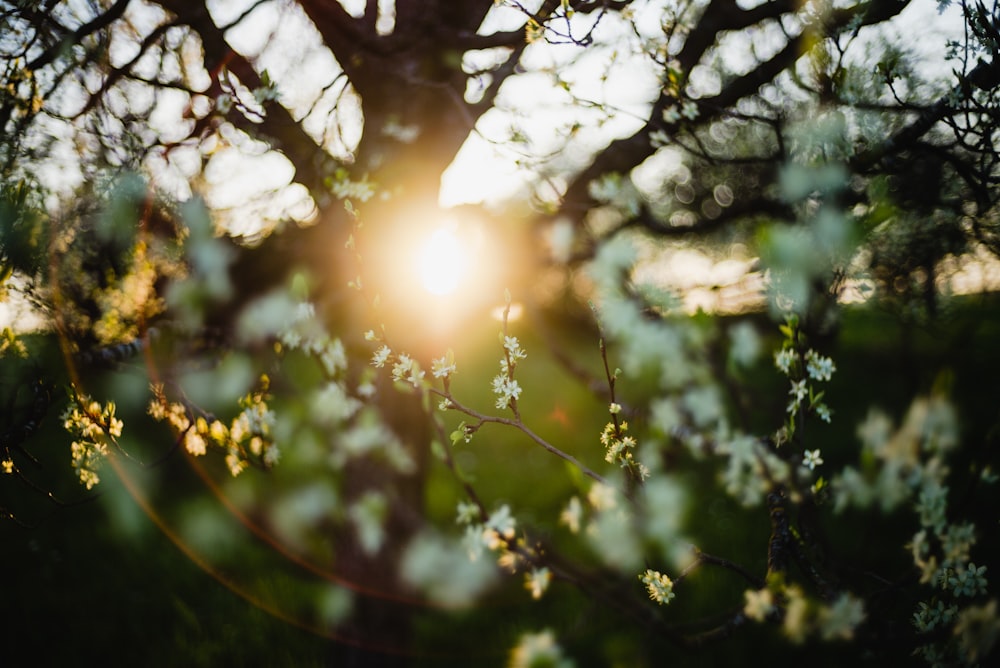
931 616
906 465
304 332
407 370
538 649
247 437
498 534
444 367
499 528
659 587
817 368
689 110
94 427
344 188
618 193
966 580
803 370
619 447
804 616
506 389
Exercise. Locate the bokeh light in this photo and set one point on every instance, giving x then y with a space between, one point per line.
442 262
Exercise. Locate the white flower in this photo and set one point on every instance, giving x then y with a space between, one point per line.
537 581
472 541
783 359
658 139
799 390
513 348
689 110
194 443
840 619
416 375
406 368
235 463
177 417
572 514
928 617
671 115
602 497
334 357
796 615
443 367
271 454
968 581
502 522
811 459
538 649
290 339
931 505
759 604
467 513
977 630
491 538
381 356
332 404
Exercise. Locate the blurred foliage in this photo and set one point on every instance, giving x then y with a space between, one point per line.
146 601
278 488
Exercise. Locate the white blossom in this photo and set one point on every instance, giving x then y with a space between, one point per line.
537 581
659 587
819 367
811 459
381 356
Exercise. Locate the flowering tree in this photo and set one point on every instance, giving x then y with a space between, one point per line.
262 329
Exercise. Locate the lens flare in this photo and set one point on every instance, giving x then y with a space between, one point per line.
441 263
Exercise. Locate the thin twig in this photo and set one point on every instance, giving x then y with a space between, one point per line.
518 424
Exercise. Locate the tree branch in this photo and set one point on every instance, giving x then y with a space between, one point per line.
97 23
278 125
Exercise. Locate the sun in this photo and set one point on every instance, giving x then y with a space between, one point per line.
442 262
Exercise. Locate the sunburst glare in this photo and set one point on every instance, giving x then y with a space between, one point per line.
442 262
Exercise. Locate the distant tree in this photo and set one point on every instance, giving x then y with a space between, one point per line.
811 140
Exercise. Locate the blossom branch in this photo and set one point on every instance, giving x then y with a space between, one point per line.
518 424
